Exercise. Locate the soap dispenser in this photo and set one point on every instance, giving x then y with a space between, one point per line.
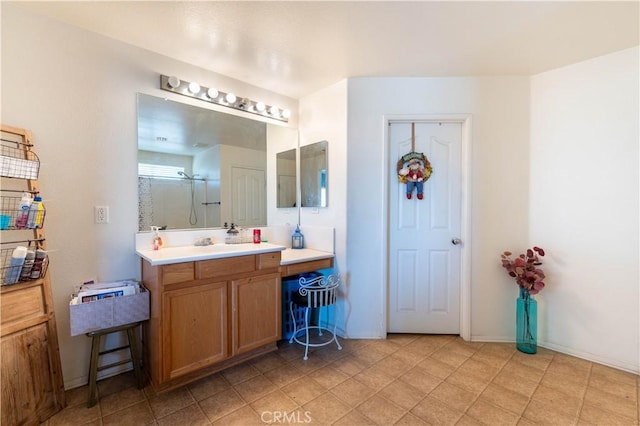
233 235
297 239
157 239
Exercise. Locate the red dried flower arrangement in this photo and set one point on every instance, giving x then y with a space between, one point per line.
524 269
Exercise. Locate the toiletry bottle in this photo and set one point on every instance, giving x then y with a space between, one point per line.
23 212
297 239
15 267
157 239
40 215
38 264
256 236
30 258
36 213
233 235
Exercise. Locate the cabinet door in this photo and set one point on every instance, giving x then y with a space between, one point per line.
194 328
28 384
256 317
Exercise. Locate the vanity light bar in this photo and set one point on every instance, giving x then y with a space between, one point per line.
214 96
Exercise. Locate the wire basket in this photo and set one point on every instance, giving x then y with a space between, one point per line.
13 273
18 161
12 217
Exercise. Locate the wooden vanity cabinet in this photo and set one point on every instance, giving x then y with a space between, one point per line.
256 311
195 335
209 315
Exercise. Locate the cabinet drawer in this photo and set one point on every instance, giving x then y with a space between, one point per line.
178 272
268 260
21 305
299 268
216 268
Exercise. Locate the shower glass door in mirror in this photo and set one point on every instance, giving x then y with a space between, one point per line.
199 168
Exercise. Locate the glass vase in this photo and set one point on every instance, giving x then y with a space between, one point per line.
526 323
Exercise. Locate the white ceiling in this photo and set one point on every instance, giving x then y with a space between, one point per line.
295 48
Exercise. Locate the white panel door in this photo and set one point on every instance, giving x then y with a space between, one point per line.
424 255
248 197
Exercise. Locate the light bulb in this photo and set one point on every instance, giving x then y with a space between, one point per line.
260 106
274 111
194 87
212 93
173 82
230 98
286 113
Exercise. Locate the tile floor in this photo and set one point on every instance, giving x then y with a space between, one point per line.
404 380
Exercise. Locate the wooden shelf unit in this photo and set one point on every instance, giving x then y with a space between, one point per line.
31 374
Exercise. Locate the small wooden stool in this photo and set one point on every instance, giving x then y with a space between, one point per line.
131 330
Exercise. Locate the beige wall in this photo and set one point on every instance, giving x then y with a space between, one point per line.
499 175
584 206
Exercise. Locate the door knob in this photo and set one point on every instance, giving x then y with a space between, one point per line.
456 241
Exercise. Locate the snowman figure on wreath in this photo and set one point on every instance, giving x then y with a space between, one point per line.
414 169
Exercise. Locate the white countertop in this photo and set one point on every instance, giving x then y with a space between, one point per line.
290 256
168 255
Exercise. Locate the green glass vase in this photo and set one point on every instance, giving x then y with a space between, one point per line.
526 323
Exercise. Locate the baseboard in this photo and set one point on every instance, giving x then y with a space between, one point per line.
84 380
635 369
491 339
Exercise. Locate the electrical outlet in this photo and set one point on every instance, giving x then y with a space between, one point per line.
101 214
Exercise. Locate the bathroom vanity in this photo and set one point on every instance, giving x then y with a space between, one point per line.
216 306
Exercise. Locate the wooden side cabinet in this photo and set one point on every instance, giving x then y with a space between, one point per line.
30 369
32 389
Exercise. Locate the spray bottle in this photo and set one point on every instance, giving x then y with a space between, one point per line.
156 242
23 212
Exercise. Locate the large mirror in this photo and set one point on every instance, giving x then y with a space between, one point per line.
286 178
199 168
313 175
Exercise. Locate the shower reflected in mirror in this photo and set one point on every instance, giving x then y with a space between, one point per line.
198 168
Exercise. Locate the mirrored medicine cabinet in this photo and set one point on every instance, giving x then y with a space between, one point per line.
286 176
313 175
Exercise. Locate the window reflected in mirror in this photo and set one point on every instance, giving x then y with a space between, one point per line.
313 175
286 178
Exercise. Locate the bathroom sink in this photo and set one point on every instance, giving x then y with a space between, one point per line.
178 254
222 247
